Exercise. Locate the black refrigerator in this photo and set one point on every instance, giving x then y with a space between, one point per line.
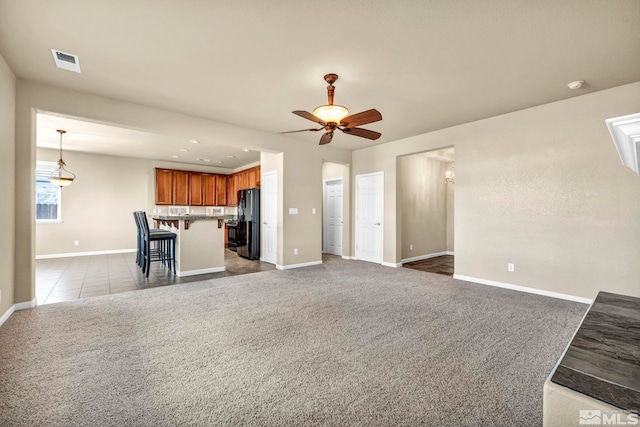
249 223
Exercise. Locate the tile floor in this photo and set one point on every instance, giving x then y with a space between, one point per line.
66 279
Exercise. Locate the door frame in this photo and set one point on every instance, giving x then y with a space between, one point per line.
357 227
262 215
325 183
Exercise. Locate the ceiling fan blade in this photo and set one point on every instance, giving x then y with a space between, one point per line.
365 133
307 115
363 118
326 138
302 130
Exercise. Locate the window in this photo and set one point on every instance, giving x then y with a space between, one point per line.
48 196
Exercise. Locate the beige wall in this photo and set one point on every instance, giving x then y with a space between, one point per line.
423 194
7 177
301 177
332 170
450 213
542 188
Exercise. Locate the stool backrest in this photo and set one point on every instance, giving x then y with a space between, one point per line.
144 224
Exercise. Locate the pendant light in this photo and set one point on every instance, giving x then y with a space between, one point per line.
58 177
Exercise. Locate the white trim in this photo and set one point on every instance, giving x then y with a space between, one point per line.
325 183
523 289
347 257
450 253
72 254
427 256
245 167
392 264
625 132
196 272
16 307
304 264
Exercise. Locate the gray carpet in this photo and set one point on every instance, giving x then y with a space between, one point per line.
345 343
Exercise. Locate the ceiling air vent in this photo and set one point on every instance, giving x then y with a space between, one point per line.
66 61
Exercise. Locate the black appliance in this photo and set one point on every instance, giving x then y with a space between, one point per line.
232 235
248 235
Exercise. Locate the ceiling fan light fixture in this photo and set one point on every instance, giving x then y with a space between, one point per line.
331 113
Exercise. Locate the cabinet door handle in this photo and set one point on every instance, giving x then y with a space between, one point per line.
377 223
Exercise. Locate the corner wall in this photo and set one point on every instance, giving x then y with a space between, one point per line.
542 188
7 177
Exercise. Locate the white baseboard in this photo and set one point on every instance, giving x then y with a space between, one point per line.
427 256
196 272
392 264
450 253
347 257
304 264
523 289
67 255
16 307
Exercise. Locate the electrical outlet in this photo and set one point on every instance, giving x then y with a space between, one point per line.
410 247
511 267
76 242
295 251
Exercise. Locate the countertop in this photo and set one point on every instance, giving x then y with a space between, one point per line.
192 217
603 359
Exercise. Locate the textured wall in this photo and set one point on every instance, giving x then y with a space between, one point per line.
7 177
424 200
542 188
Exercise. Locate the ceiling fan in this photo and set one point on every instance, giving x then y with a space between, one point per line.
331 117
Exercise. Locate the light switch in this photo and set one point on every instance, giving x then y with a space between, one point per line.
293 211
313 211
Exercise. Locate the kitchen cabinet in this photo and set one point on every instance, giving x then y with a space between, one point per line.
164 186
209 190
232 190
190 188
180 188
221 191
196 188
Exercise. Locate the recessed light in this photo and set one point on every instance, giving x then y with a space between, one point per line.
193 141
176 157
576 85
219 162
231 157
246 149
184 150
200 159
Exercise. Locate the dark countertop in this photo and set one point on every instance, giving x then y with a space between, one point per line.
603 359
191 217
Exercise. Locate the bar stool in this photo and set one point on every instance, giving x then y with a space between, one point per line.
165 245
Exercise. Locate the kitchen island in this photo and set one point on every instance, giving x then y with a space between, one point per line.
199 242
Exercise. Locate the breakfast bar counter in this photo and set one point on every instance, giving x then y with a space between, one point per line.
199 242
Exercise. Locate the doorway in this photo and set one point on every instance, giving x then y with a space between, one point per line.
270 217
369 214
332 217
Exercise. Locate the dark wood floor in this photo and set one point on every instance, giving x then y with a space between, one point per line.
440 265
66 279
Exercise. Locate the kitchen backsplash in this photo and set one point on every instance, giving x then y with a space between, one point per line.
202 210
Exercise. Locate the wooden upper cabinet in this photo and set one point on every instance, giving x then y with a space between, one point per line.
180 188
196 188
209 190
232 190
164 186
221 190
254 177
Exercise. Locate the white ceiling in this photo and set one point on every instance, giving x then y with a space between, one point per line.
109 140
425 65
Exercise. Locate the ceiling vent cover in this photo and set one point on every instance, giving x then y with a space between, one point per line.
66 61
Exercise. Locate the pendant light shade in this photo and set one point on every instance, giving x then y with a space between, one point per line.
450 176
61 176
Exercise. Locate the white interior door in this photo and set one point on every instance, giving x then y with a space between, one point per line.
369 213
270 217
332 217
